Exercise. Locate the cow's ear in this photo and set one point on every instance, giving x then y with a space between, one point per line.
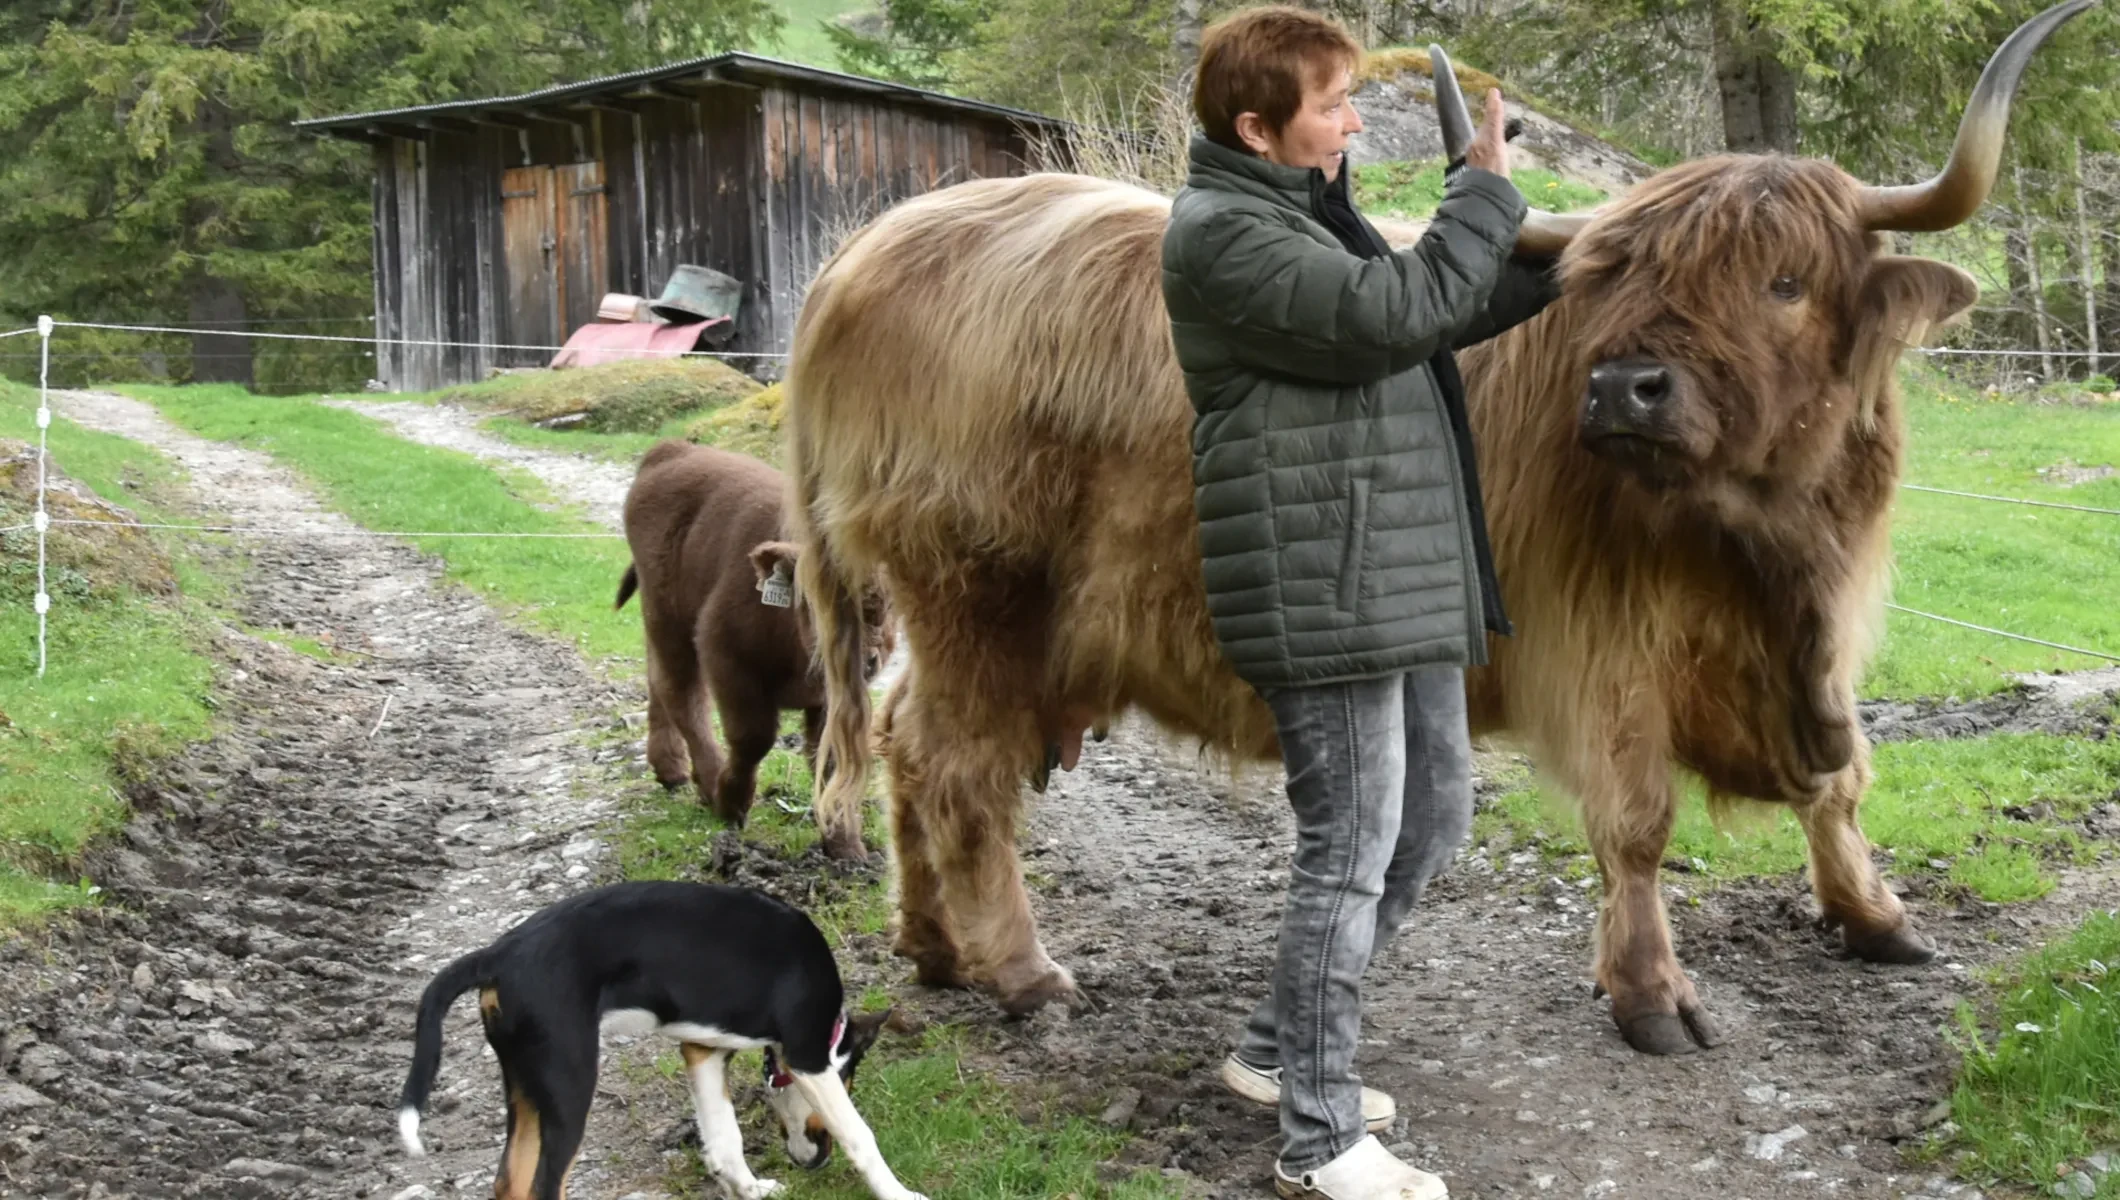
765 556
1911 296
1903 300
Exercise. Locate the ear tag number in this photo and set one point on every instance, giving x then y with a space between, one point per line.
777 589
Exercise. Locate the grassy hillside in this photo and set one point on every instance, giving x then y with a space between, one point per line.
803 41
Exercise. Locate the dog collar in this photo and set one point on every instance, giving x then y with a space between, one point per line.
782 1078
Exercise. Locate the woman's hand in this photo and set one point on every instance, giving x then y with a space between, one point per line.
1489 150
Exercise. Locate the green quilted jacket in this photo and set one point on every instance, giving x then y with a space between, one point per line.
1340 522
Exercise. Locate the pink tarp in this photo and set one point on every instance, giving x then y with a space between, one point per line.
603 342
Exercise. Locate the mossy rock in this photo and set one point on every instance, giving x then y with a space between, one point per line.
1393 62
622 397
80 561
748 426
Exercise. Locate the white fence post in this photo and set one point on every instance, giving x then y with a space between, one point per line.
44 520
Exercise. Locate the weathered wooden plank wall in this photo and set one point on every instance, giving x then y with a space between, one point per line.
511 235
438 252
693 196
833 163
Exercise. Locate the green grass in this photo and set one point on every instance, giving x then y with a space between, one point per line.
627 408
801 40
1938 807
670 835
2040 1084
563 587
612 447
1413 189
619 397
948 1133
748 426
2040 572
307 646
124 682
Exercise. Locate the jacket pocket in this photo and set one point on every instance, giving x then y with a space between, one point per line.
1355 546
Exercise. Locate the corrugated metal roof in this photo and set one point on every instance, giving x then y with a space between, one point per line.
735 66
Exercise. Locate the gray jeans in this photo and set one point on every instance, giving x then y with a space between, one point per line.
1380 776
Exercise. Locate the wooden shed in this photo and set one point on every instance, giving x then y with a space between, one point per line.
503 222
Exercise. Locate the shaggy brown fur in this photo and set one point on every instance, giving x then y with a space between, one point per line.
705 529
984 410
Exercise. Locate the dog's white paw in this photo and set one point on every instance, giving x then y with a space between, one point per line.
759 1190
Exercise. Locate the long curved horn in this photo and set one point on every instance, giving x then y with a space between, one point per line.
1542 233
1547 233
1452 115
1963 185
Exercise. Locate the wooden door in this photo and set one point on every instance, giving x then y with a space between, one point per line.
583 244
530 236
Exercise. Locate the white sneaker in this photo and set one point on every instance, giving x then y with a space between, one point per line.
1367 1172
1250 1082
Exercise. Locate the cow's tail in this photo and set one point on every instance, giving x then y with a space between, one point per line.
843 753
455 979
627 584
832 591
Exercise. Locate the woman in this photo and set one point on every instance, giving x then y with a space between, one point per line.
1345 549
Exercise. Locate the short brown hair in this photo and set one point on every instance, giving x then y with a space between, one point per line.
1257 60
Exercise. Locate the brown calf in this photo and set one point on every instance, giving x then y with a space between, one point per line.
704 526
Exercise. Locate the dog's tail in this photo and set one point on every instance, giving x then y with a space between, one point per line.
626 585
456 979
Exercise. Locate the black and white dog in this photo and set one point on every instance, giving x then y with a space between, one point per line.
720 969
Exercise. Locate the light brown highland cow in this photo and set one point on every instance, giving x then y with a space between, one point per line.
1689 462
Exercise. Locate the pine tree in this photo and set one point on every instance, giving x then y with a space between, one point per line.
148 168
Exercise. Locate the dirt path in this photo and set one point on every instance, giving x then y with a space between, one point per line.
237 1022
1160 886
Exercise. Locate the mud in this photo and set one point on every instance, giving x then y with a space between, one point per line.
2078 704
301 865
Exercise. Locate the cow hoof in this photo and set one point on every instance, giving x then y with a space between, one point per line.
937 971
1099 733
845 845
1903 946
1665 1033
1024 1003
1044 772
1053 985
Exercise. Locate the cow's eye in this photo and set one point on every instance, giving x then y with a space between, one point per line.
1786 288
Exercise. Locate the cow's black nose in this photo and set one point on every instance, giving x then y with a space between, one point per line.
1630 391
